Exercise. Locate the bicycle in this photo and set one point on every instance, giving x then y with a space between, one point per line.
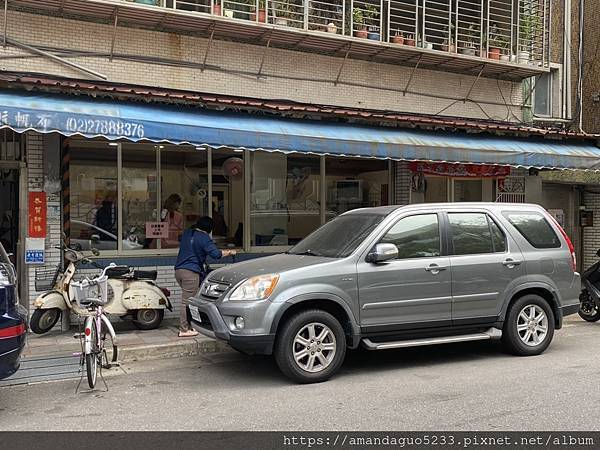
92 294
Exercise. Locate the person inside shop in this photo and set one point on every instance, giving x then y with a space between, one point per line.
190 269
220 228
174 218
106 217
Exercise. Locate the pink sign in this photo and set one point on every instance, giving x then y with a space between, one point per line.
157 230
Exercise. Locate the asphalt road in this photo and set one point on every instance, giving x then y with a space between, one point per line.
471 386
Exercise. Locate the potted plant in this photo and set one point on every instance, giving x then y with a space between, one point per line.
262 11
358 19
448 43
398 37
472 36
529 27
409 39
217 8
496 42
284 12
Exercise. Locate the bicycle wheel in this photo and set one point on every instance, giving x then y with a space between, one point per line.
91 359
108 346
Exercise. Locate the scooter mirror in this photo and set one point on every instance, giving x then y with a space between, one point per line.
95 252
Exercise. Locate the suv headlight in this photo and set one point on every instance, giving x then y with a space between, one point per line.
256 288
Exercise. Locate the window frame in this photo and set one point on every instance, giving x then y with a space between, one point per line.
442 226
490 220
246 247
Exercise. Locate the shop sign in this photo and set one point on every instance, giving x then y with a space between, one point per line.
157 230
459 170
35 252
38 210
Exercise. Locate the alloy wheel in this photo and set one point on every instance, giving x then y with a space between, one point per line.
532 325
314 347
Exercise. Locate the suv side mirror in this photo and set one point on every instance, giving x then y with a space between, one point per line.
95 238
382 252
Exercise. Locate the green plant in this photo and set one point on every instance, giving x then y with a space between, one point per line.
530 25
358 17
284 9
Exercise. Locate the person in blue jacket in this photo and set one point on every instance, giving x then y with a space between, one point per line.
195 246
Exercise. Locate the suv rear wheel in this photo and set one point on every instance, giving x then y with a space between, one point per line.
310 346
529 326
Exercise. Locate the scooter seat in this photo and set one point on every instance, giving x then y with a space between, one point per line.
117 271
145 275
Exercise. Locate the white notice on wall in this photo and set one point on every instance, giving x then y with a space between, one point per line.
35 251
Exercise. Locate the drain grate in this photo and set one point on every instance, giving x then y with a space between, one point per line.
47 368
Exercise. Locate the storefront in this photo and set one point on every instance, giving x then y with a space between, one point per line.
128 178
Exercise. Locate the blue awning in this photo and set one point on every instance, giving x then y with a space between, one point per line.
114 120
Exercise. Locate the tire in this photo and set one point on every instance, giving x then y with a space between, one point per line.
288 342
530 339
588 309
148 319
43 320
91 359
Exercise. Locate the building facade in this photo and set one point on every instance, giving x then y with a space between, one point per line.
287 98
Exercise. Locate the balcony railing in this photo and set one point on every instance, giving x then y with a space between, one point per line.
515 31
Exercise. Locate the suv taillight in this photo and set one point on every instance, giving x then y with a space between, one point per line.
569 244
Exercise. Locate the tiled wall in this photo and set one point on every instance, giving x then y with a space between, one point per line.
232 69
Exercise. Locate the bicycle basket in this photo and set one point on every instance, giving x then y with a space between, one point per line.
87 292
45 278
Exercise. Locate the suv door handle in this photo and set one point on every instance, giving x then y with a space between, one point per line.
510 263
434 268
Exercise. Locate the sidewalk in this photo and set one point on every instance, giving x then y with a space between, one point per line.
53 356
134 344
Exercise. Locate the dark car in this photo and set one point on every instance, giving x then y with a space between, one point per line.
13 325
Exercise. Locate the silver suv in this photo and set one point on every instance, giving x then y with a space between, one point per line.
393 277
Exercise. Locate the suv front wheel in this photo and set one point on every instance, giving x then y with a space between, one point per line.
529 326
310 346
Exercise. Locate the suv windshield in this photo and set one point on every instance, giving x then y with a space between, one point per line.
339 237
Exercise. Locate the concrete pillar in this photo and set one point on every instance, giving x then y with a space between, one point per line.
533 189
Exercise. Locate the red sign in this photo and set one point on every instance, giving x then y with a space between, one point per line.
460 170
37 214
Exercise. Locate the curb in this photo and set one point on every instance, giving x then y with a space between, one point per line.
191 347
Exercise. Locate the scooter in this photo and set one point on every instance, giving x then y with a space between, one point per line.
131 293
589 298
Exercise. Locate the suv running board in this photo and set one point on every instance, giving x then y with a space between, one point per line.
492 333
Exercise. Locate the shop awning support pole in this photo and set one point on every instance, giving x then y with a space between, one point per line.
5 21
210 39
412 74
474 82
264 55
37 51
114 35
337 79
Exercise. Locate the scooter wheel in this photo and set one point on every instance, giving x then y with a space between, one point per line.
43 320
148 319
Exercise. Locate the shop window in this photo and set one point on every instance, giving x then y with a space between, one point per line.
184 190
355 183
93 195
228 197
285 198
140 195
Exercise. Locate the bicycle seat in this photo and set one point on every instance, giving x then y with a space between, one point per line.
145 275
117 271
91 301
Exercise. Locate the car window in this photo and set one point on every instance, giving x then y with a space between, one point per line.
415 236
498 237
535 228
339 237
470 233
